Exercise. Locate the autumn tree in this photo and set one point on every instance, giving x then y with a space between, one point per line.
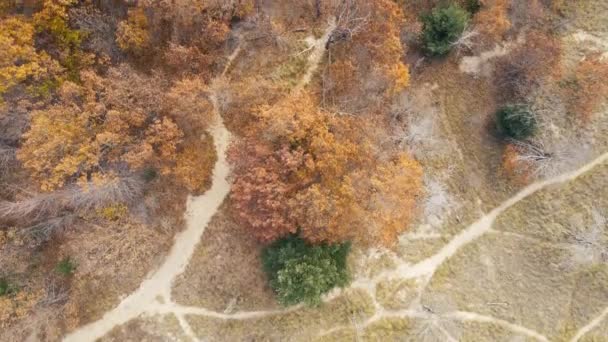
326 182
492 20
188 103
194 163
20 62
64 42
194 23
132 34
7 6
94 130
365 45
262 188
516 168
586 89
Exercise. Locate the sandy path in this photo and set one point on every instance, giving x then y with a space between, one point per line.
483 225
317 47
157 287
591 325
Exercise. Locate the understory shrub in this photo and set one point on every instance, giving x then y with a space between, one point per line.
442 27
7 288
299 272
66 266
473 6
516 121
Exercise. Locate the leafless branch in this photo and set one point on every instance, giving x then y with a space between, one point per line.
54 294
42 231
349 22
76 198
466 39
7 158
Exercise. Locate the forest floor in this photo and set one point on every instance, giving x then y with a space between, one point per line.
488 262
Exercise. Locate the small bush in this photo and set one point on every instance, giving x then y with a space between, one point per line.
302 273
516 121
132 34
473 6
527 67
113 212
442 27
149 174
66 266
7 288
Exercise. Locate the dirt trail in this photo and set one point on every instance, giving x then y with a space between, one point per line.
155 292
587 328
483 225
318 51
157 287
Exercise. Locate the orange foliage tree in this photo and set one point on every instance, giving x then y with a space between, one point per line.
19 60
493 18
587 89
366 45
52 26
132 34
325 181
105 125
514 166
189 105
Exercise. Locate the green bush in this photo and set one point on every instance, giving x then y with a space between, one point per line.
516 121
299 272
442 27
149 174
7 288
66 266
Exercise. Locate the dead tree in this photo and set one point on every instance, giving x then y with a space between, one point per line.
534 155
7 158
349 21
38 207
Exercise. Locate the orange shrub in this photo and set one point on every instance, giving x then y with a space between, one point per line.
588 89
517 170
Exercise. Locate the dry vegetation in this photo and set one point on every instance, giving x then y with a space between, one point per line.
105 107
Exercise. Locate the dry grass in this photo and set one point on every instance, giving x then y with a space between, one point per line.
225 271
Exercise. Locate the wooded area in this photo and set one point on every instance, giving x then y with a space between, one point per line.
106 108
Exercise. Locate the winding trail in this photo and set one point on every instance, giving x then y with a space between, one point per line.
483 225
157 287
594 323
318 51
200 209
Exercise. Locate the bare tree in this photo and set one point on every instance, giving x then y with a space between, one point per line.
55 293
42 215
33 208
7 158
349 21
92 196
466 39
589 244
42 231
